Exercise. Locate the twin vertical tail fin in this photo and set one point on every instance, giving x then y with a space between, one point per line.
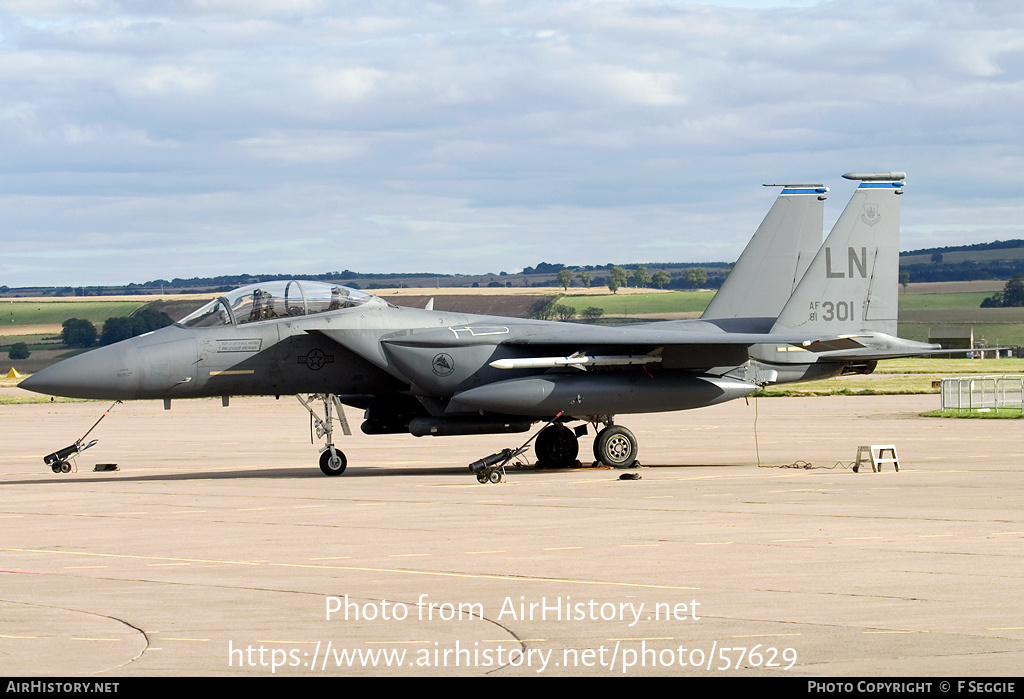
775 259
851 285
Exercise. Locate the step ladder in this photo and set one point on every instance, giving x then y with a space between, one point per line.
876 454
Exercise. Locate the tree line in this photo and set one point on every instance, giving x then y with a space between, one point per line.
1012 295
80 333
618 277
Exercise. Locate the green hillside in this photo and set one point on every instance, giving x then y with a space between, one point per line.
16 312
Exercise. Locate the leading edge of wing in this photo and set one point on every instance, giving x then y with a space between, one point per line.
573 334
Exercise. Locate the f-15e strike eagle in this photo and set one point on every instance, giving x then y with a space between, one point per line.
789 311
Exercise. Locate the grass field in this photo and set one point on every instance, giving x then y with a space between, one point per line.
697 301
56 312
898 376
919 312
984 414
917 302
33 341
965 255
633 304
12 397
994 334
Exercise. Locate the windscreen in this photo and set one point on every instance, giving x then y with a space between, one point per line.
279 299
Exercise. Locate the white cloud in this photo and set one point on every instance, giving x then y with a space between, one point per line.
585 131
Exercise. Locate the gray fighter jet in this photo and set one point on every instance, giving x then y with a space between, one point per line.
781 317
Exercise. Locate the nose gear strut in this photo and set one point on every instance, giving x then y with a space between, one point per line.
332 459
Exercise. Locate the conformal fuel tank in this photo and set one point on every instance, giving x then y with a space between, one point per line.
603 394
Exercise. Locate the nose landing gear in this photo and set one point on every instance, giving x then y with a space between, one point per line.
332 459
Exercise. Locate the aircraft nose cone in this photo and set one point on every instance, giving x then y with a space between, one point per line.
108 373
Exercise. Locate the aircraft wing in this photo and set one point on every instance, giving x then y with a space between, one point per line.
551 333
439 359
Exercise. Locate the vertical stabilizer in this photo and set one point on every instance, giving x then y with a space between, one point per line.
775 259
851 285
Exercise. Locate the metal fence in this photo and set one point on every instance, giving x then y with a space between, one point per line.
983 393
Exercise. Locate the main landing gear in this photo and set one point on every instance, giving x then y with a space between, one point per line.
558 447
616 446
332 459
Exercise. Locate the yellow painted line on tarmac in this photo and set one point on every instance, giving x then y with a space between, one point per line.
289 643
888 632
481 552
800 490
330 558
513 640
132 557
484 576
3 635
736 478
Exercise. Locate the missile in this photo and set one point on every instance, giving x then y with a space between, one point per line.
578 360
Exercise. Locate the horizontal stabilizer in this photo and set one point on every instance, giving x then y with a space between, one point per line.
871 347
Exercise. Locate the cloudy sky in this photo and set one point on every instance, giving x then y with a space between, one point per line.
146 139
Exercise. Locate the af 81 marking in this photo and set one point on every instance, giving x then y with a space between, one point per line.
831 311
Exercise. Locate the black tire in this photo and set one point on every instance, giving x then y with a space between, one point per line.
333 467
616 446
556 447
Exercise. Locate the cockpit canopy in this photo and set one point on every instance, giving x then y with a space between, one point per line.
279 299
